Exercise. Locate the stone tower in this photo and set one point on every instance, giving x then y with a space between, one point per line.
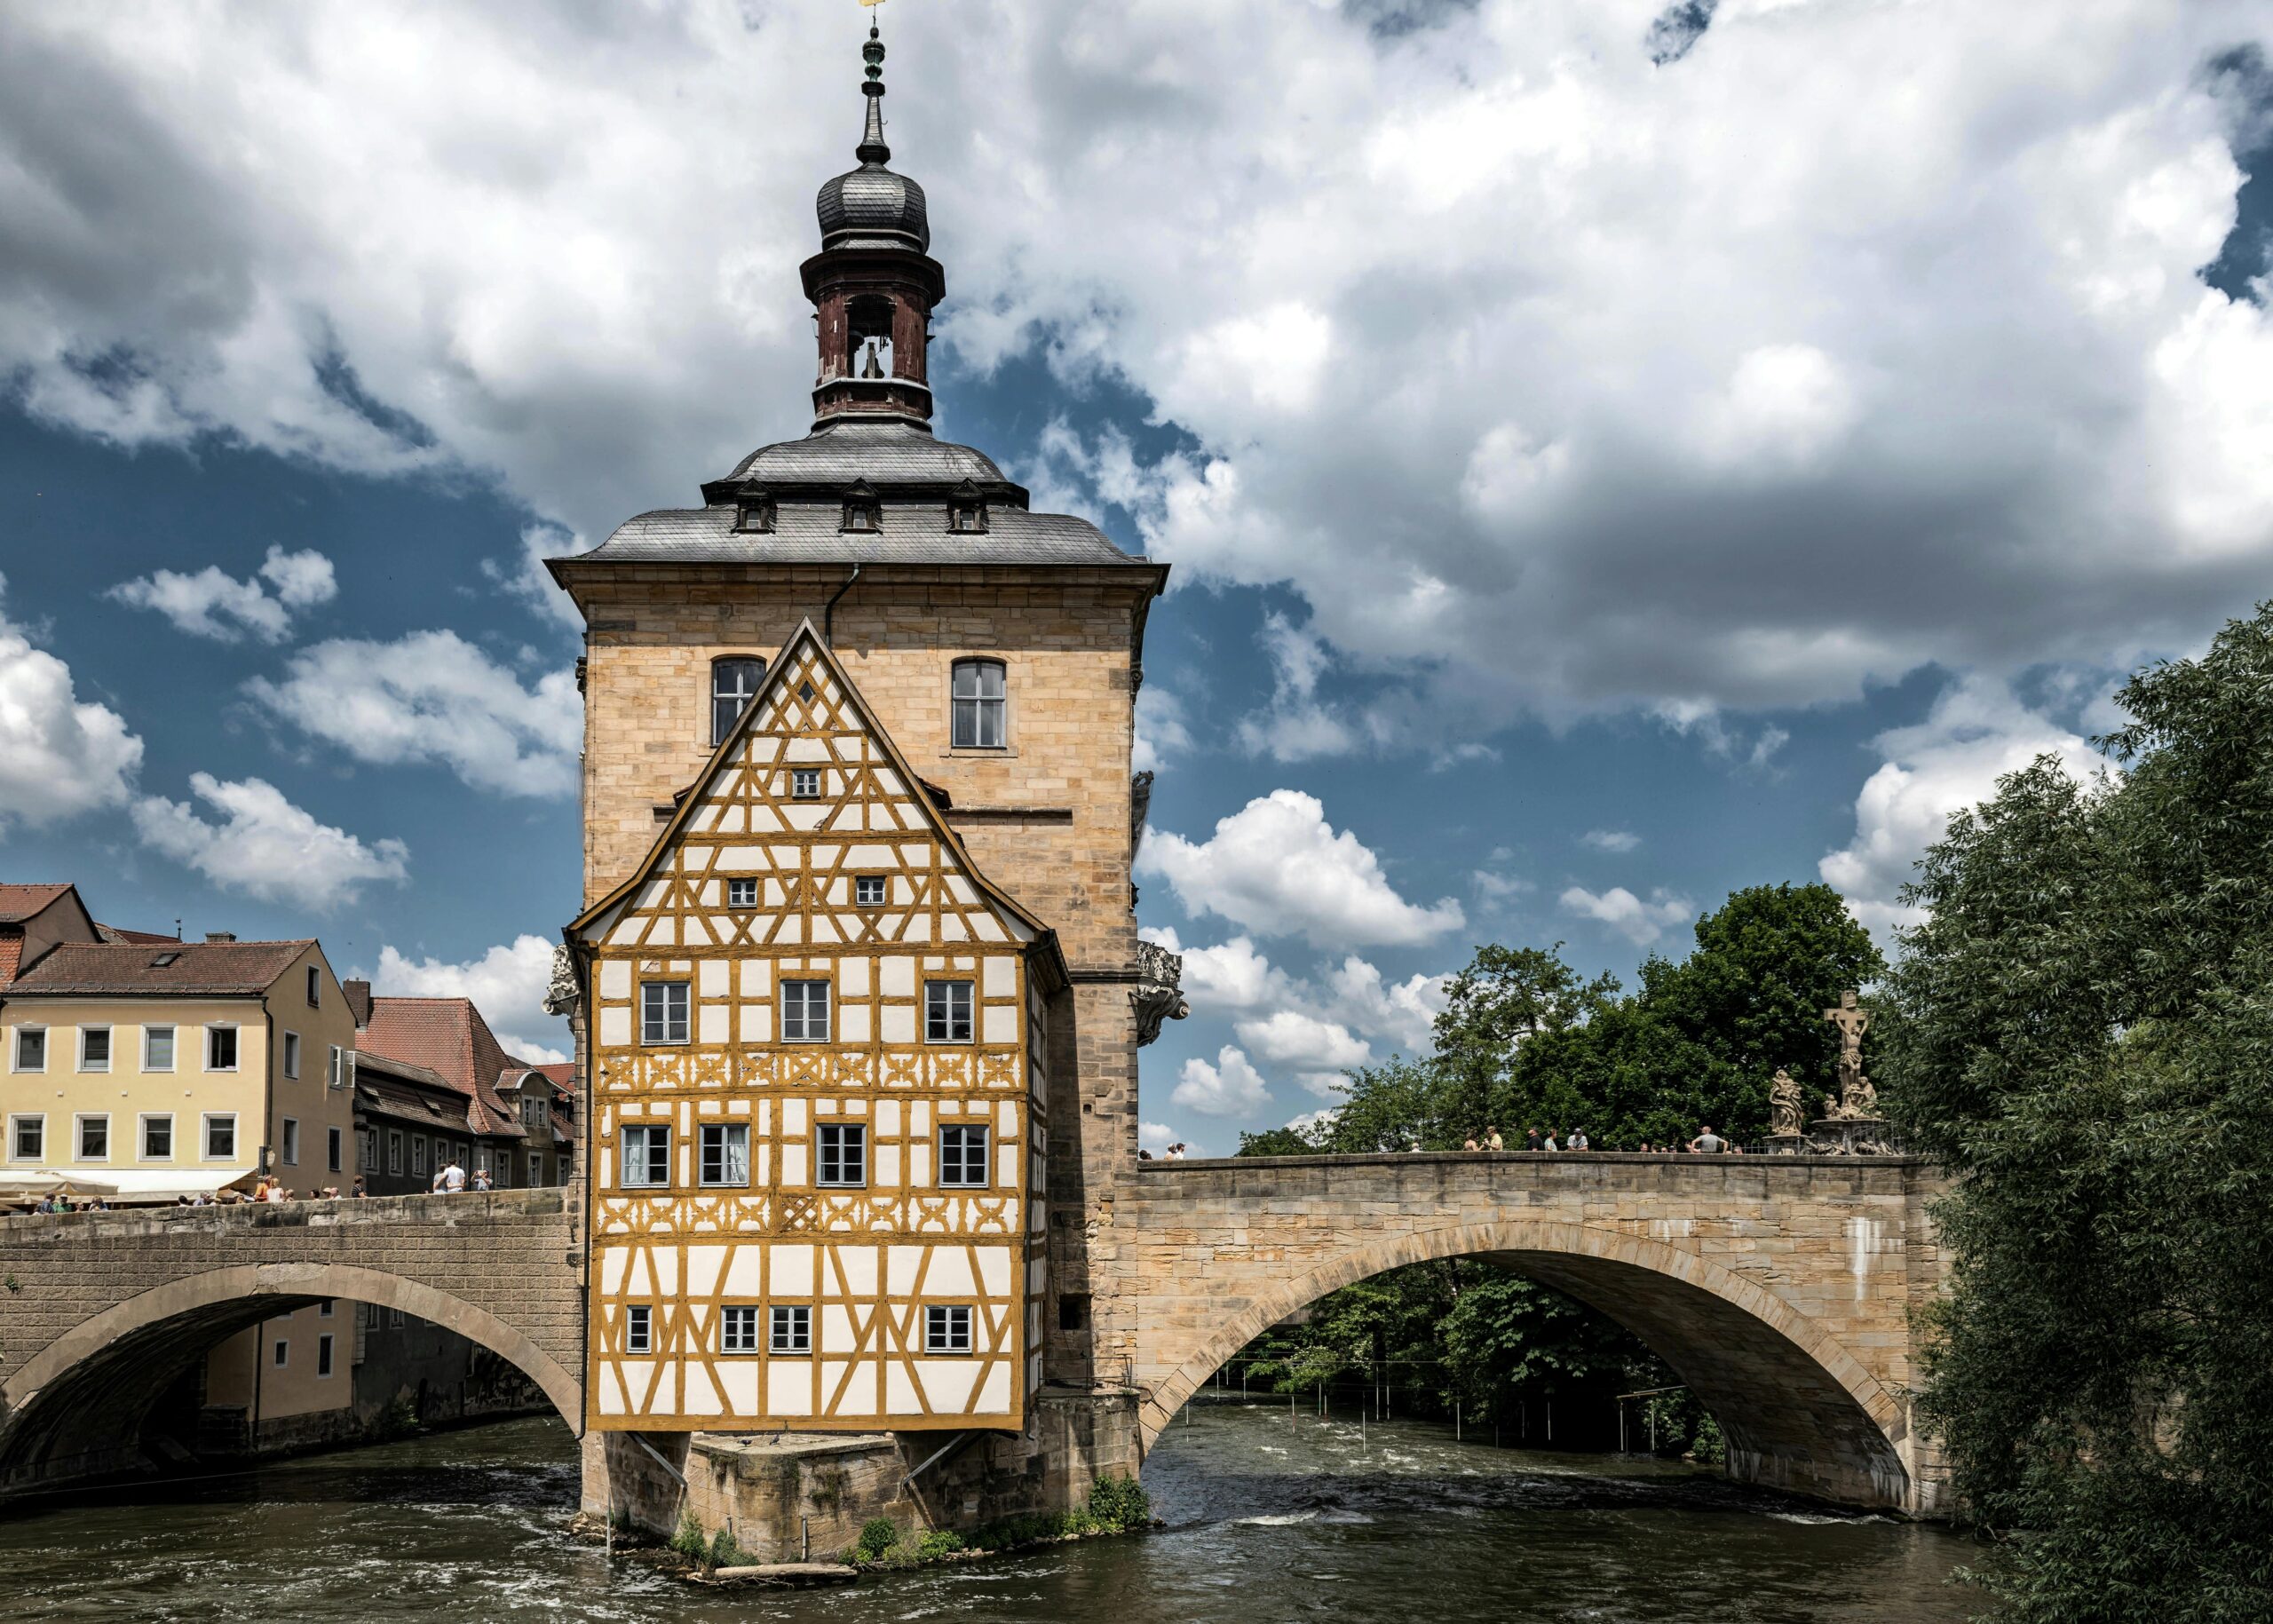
994 653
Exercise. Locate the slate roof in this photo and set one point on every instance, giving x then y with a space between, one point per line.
884 453
811 533
197 969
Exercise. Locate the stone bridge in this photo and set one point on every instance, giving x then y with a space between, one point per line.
1780 1289
102 1313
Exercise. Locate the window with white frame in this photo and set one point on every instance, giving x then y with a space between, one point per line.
981 702
337 1071
291 1142
26 1137
844 1153
804 1012
158 1137
395 1150
733 683
31 1048
94 1049
662 1013
962 1157
418 1156
646 1156
947 1011
292 1055
792 1330
738 1328
220 1135
804 783
157 1049
947 1329
94 1138
283 1354
741 893
724 1156
639 1328
220 1049
870 891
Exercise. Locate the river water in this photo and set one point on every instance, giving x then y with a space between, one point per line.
1270 1517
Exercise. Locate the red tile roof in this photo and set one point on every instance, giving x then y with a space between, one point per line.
120 933
12 951
201 968
18 903
448 1036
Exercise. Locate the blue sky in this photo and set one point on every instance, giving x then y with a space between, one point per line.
1608 458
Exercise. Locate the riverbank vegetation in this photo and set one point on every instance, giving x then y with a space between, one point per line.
1526 1041
2081 1031
1116 1505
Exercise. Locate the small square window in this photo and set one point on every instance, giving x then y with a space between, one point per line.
94 1049
646 1157
28 1142
738 1328
946 1330
843 1154
754 517
962 1158
870 891
31 1048
804 783
861 517
220 1049
725 1154
947 1011
221 1137
741 893
157 1138
662 1013
639 1328
792 1331
804 1012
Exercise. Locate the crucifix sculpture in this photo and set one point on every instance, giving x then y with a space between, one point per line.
1857 1096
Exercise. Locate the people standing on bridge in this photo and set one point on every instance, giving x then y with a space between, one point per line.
1530 1139
1471 1143
1492 1140
1576 1140
1552 1147
356 1192
481 1180
449 1179
1708 1143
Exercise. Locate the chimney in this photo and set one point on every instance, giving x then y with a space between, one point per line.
221 936
359 1002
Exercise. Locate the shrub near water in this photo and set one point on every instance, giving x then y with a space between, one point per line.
877 1536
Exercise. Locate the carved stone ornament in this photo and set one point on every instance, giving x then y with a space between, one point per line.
1157 995
561 995
1785 1106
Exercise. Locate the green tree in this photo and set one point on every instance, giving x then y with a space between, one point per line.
1278 1142
1506 998
2081 1032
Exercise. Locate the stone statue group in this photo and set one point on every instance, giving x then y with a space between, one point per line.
1857 1102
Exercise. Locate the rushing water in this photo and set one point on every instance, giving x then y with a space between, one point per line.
1270 1517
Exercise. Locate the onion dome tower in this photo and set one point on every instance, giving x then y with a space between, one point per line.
874 283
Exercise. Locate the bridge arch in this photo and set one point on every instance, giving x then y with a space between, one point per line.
99 1380
1797 1410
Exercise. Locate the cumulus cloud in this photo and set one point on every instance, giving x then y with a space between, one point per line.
1161 732
265 846
1295 726
1978 731
524 575
1404 1013
1229 1086
213 604
1609 840
1276 868
1157 1137
1941 382
433 697
1317 1051
506 984
60 756
1638 922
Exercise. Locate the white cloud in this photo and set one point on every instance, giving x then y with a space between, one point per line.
1230 977
1976 732
1318 1051
1276 868
1229 1087
1609 840
1638 922
61 756
212 604
1157 1137
1322 1117
1939 381
266 847
1162 732
433 697
1295 726
1404 1013
525 577
507 984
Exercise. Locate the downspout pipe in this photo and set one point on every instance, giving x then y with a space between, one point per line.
828 614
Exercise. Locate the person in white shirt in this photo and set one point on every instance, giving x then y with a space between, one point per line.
1577 1141
449 1179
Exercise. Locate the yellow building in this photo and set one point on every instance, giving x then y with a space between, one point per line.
142 1070
816 1038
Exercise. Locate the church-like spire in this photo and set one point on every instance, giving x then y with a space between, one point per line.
872 148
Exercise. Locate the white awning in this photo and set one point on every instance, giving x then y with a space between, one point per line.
138 1185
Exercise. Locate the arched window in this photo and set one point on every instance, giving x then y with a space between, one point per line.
981 701
733 683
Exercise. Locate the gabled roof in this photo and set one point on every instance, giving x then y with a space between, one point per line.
449 1038
119 933
777 675
19 902
205 970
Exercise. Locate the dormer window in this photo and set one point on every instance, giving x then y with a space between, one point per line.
754 516
863 513
967 511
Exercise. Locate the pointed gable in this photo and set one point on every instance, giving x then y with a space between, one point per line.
807 829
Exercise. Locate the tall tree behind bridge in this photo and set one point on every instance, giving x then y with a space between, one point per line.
2082 1033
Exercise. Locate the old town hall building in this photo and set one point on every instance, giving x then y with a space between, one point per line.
861 990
